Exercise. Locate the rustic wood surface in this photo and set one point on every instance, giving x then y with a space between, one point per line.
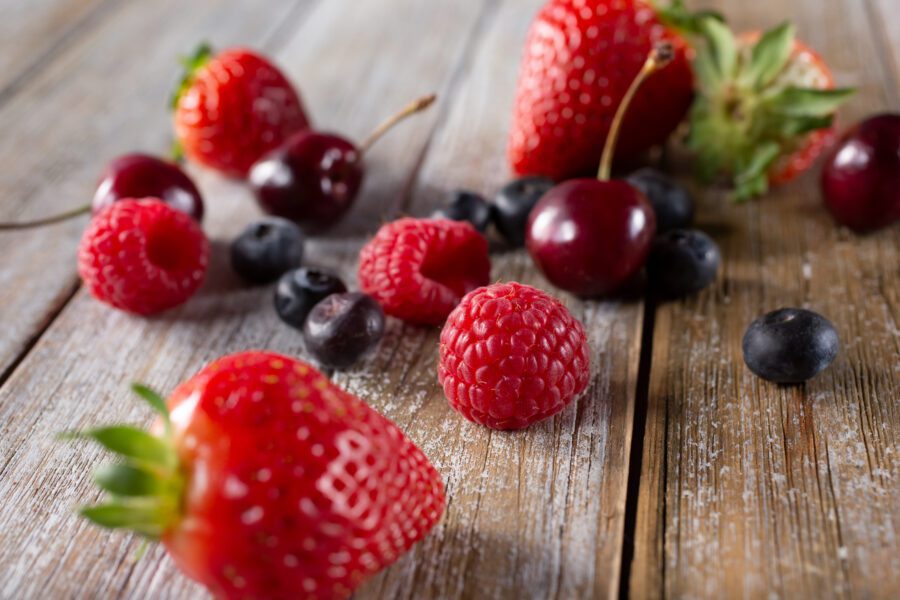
741 488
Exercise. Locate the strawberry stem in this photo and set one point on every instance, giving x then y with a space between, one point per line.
58 218
412 108
659 57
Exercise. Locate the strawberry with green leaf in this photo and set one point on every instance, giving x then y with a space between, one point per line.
265 480
765 103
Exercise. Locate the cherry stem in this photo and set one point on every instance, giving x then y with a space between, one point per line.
659 57
65 216
412 108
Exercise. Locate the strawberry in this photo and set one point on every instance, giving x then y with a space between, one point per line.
232 108
580 58
265 480
765 103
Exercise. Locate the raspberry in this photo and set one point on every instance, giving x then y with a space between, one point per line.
419 269
512 355
143 256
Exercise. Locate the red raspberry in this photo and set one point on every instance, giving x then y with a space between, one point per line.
512 355
418 269
143 256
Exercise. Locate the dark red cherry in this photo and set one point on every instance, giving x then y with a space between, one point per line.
861 177
143 176
312 179
589 237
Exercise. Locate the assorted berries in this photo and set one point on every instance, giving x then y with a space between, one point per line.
134 176
861 178
298 291
790 345
579 60
233 107
512 355
682 262
672 203
343 328
467 206
143 256
419 269
272 482
513 205
313 178
267 249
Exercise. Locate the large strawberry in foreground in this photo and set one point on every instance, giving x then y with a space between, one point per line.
765 104
580 58
265 480
232 108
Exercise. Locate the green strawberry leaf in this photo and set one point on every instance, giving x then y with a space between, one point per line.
721 45
133 443
677 16
191 64
156 402
807 102
127 480
769 56
751 176
145 518
794 126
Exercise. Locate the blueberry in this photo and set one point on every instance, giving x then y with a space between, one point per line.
671 202
790 345
466 206
681 262
266 249
513 204
298 291
343 328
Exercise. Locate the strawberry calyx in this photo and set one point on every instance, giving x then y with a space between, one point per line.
191 64
749 110
146 486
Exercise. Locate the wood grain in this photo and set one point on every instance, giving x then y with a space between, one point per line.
750 489
568 482
33 32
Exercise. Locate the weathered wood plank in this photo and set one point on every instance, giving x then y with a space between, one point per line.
45 551
31 33
749 489
105 95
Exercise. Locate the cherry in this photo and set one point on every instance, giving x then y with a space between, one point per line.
143 176
314 177
590 236
861 177
133 176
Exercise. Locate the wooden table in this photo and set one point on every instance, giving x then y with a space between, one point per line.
677 474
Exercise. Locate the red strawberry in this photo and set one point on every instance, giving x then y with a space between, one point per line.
765 104
580 58
268 481
233 108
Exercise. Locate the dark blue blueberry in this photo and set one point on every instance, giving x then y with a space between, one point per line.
466 206
343 328
681 262
790 345
267 249
671 202
513 204
298 291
